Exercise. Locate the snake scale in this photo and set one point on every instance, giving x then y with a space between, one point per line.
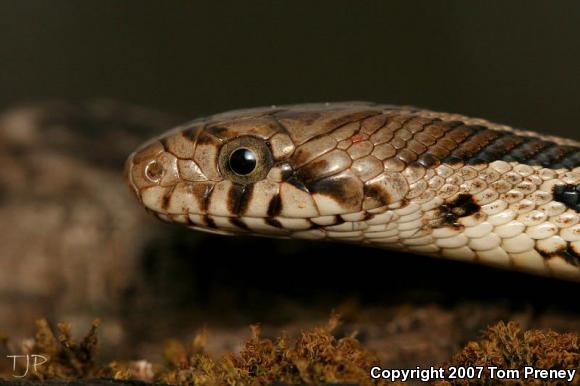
394 177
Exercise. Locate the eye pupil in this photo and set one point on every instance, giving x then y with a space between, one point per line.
243 161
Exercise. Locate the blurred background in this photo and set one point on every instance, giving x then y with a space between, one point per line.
515 62
83 83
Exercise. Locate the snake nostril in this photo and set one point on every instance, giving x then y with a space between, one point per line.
154 171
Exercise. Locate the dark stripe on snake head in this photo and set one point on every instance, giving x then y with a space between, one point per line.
297 184
343 188
166 199
239 197
209 222
273 222
204 197
275 206
236 221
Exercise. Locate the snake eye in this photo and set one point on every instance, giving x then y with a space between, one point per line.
242 161
245 160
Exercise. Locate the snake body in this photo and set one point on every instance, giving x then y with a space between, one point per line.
401 178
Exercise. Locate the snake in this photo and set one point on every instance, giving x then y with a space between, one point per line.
395 177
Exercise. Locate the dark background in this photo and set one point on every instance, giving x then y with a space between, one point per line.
516 62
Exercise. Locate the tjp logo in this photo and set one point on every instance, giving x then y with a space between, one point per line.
37 360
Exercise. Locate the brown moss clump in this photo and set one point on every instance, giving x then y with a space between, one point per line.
66 359
507 347
316 356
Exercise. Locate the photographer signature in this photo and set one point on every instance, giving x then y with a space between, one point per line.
37 360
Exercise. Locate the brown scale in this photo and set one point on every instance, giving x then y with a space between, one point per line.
418 138
430 141
453 141
444 137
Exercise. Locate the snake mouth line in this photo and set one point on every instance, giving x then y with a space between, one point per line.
222 224
309 228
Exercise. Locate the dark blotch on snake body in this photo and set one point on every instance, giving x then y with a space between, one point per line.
462 206
568 195
569 255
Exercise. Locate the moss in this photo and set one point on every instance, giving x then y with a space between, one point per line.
192 365
67 359
314 356
508 347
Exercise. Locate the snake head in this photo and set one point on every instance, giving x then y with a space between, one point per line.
270 171
222 174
